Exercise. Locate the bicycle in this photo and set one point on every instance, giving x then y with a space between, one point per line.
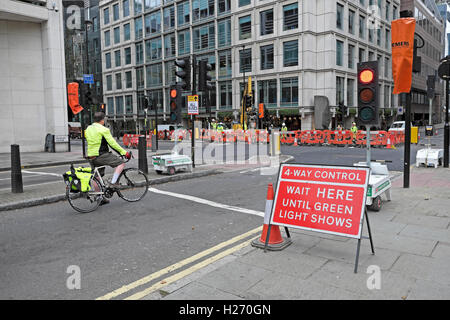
133 187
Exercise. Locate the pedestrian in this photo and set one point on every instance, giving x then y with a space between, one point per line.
354 130
283 130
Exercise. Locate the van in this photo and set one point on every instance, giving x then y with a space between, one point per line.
398 126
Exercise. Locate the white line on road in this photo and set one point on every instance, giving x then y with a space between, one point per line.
207 202
44 173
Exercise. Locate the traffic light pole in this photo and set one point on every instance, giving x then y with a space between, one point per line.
194 92
446 127
407 150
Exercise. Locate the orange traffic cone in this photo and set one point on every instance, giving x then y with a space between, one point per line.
276 241
295 142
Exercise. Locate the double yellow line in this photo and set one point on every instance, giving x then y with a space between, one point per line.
139 295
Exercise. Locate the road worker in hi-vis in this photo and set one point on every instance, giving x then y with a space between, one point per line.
283 130
354 130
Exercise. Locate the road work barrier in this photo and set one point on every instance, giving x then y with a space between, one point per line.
380 139
132 140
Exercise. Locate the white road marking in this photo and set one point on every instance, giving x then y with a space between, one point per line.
208 202
44 173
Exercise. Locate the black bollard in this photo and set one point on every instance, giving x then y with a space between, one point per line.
142 149
16 170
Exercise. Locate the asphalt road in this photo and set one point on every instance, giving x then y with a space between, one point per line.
121 242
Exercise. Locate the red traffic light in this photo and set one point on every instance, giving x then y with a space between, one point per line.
366 76
173 93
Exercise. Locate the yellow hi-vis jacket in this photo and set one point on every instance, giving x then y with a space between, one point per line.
99 140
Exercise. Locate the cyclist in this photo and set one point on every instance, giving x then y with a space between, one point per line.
99 139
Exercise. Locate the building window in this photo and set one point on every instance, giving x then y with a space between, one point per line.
151 4
106 16
290 16
351 56
126 8
245 58
140 78
169 18
153 23
223 6
339 90
129 104
245 27
225 95
119 105
183 13
202 9
225 64
109 82
361 55
110 105
351 21
117 35
340 16
350 92
169 69
138 33
137 6
266 22
184 42
290 53
154 75
289 92
224 33
107 34
153 49
204 37
118 81
108 60
339 52
127 52
169 45
244 2
267 93
126 32
128 80
139 53
267 61
116 12
117 58
362 27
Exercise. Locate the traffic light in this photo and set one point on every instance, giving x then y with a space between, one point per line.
203 77
185 73
102 107
89 100
368 93
176 103
146 104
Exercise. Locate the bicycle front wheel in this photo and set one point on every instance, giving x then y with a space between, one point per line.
85 202
133 185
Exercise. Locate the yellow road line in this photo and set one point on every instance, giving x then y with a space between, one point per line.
176 266
188 271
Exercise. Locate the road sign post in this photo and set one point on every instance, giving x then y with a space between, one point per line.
444 73
328 199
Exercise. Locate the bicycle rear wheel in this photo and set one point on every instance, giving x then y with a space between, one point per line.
133 185
85 202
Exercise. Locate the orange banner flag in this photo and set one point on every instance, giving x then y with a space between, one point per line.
72 93
402 53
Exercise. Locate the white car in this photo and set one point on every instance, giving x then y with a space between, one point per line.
398 126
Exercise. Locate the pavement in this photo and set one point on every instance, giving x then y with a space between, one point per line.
411 238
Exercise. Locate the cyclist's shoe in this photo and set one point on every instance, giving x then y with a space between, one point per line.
104 201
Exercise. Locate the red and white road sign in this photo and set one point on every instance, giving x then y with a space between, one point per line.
327 199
